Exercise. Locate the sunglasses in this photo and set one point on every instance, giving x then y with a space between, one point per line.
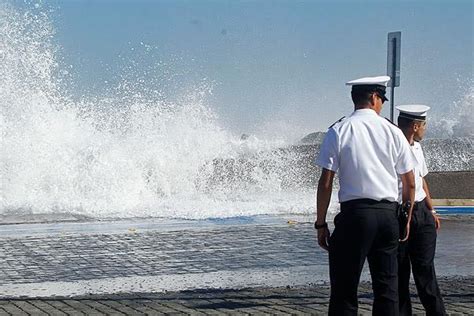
382 97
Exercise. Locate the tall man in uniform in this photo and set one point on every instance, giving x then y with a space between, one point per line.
369 153
419 249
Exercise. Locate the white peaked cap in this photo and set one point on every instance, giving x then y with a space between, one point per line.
413 111
380 80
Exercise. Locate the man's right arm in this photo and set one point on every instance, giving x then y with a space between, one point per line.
406 162
322 203
328 160
408 195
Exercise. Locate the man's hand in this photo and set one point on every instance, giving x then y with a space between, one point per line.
323 238
407 233
436 219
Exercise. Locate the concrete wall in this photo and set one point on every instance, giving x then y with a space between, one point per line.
442 184
296 169
451 184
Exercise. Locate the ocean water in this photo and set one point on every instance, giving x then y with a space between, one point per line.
134 152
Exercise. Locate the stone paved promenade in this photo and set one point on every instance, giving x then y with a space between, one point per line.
310 300
246 268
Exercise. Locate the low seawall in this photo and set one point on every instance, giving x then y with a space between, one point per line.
451 185
450 163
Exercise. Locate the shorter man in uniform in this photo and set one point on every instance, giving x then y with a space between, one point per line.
419 249
369 153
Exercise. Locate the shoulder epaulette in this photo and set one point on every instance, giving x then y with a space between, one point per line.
336 122
390 121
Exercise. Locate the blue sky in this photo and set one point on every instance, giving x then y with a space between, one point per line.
270 61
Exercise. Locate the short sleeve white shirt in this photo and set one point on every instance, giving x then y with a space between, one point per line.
420 171
369 153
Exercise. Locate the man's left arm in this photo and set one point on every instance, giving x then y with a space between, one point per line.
429 204
428 201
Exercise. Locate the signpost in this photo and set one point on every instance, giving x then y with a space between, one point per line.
393 66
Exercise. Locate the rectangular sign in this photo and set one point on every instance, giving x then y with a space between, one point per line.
393 57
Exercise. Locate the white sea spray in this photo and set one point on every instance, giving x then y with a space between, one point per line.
134 152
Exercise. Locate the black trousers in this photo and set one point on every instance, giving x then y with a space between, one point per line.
419 251
364 229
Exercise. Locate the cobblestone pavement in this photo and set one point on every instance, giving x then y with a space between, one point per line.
32 259
310 300
129 272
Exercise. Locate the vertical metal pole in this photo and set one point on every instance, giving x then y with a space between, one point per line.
392 92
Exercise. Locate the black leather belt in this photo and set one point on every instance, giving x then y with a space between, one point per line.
361 203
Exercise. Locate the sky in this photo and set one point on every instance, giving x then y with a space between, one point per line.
272 65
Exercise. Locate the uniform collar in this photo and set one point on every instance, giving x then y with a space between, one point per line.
364 112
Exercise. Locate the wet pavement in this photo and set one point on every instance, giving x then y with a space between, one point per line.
309 300
243 265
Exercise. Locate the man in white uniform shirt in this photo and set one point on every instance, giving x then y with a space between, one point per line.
369 153
419 250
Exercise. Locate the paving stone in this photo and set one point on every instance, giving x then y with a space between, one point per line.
4 312
29 308
118 307
288 309
215 312
158 306
79 307
47 308
12 309
180 308
140 305
98 308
